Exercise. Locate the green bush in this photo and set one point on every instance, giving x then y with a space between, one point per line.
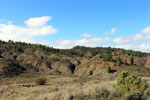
119 61
131 60
41 80
90 73
130 87
128 80
108 69
107 57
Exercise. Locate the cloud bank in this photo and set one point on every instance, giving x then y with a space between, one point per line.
83 42
35 27
86 35
38 27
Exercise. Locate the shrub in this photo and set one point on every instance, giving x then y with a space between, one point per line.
130 87
107 57
108 69
128 80
119 61
41 80
91 73
131 60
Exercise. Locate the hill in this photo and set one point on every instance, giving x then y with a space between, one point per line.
78 60
80 73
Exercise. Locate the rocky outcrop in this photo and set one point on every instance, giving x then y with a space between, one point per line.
147 64
63 66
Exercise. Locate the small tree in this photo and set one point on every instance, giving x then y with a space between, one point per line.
130 87
131 60
91 73
118 61
108 69
128 80
107 57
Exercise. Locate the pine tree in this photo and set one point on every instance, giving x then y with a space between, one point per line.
119 61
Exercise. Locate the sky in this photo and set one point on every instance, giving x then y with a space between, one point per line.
68 23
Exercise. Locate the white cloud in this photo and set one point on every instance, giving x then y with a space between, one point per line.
37 22
146 30
136 42
113 30
43 31
86 35
83 42
137 47
134 39
28 34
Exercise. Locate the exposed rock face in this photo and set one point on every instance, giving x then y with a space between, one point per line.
93 65
63 66
6 54
147 64
140 61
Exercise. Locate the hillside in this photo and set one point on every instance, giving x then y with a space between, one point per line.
78 60
73 74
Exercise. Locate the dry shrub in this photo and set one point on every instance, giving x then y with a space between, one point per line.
41 80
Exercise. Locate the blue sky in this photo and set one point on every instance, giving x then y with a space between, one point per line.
67 23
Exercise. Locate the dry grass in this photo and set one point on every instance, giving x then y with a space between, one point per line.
57 88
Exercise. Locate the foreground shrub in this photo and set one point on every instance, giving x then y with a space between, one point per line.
130 87
41 80
128 80
90 73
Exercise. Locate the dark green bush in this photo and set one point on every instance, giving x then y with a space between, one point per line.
108 69
119 61
91 73
129 80
130 87
107 57
131 60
